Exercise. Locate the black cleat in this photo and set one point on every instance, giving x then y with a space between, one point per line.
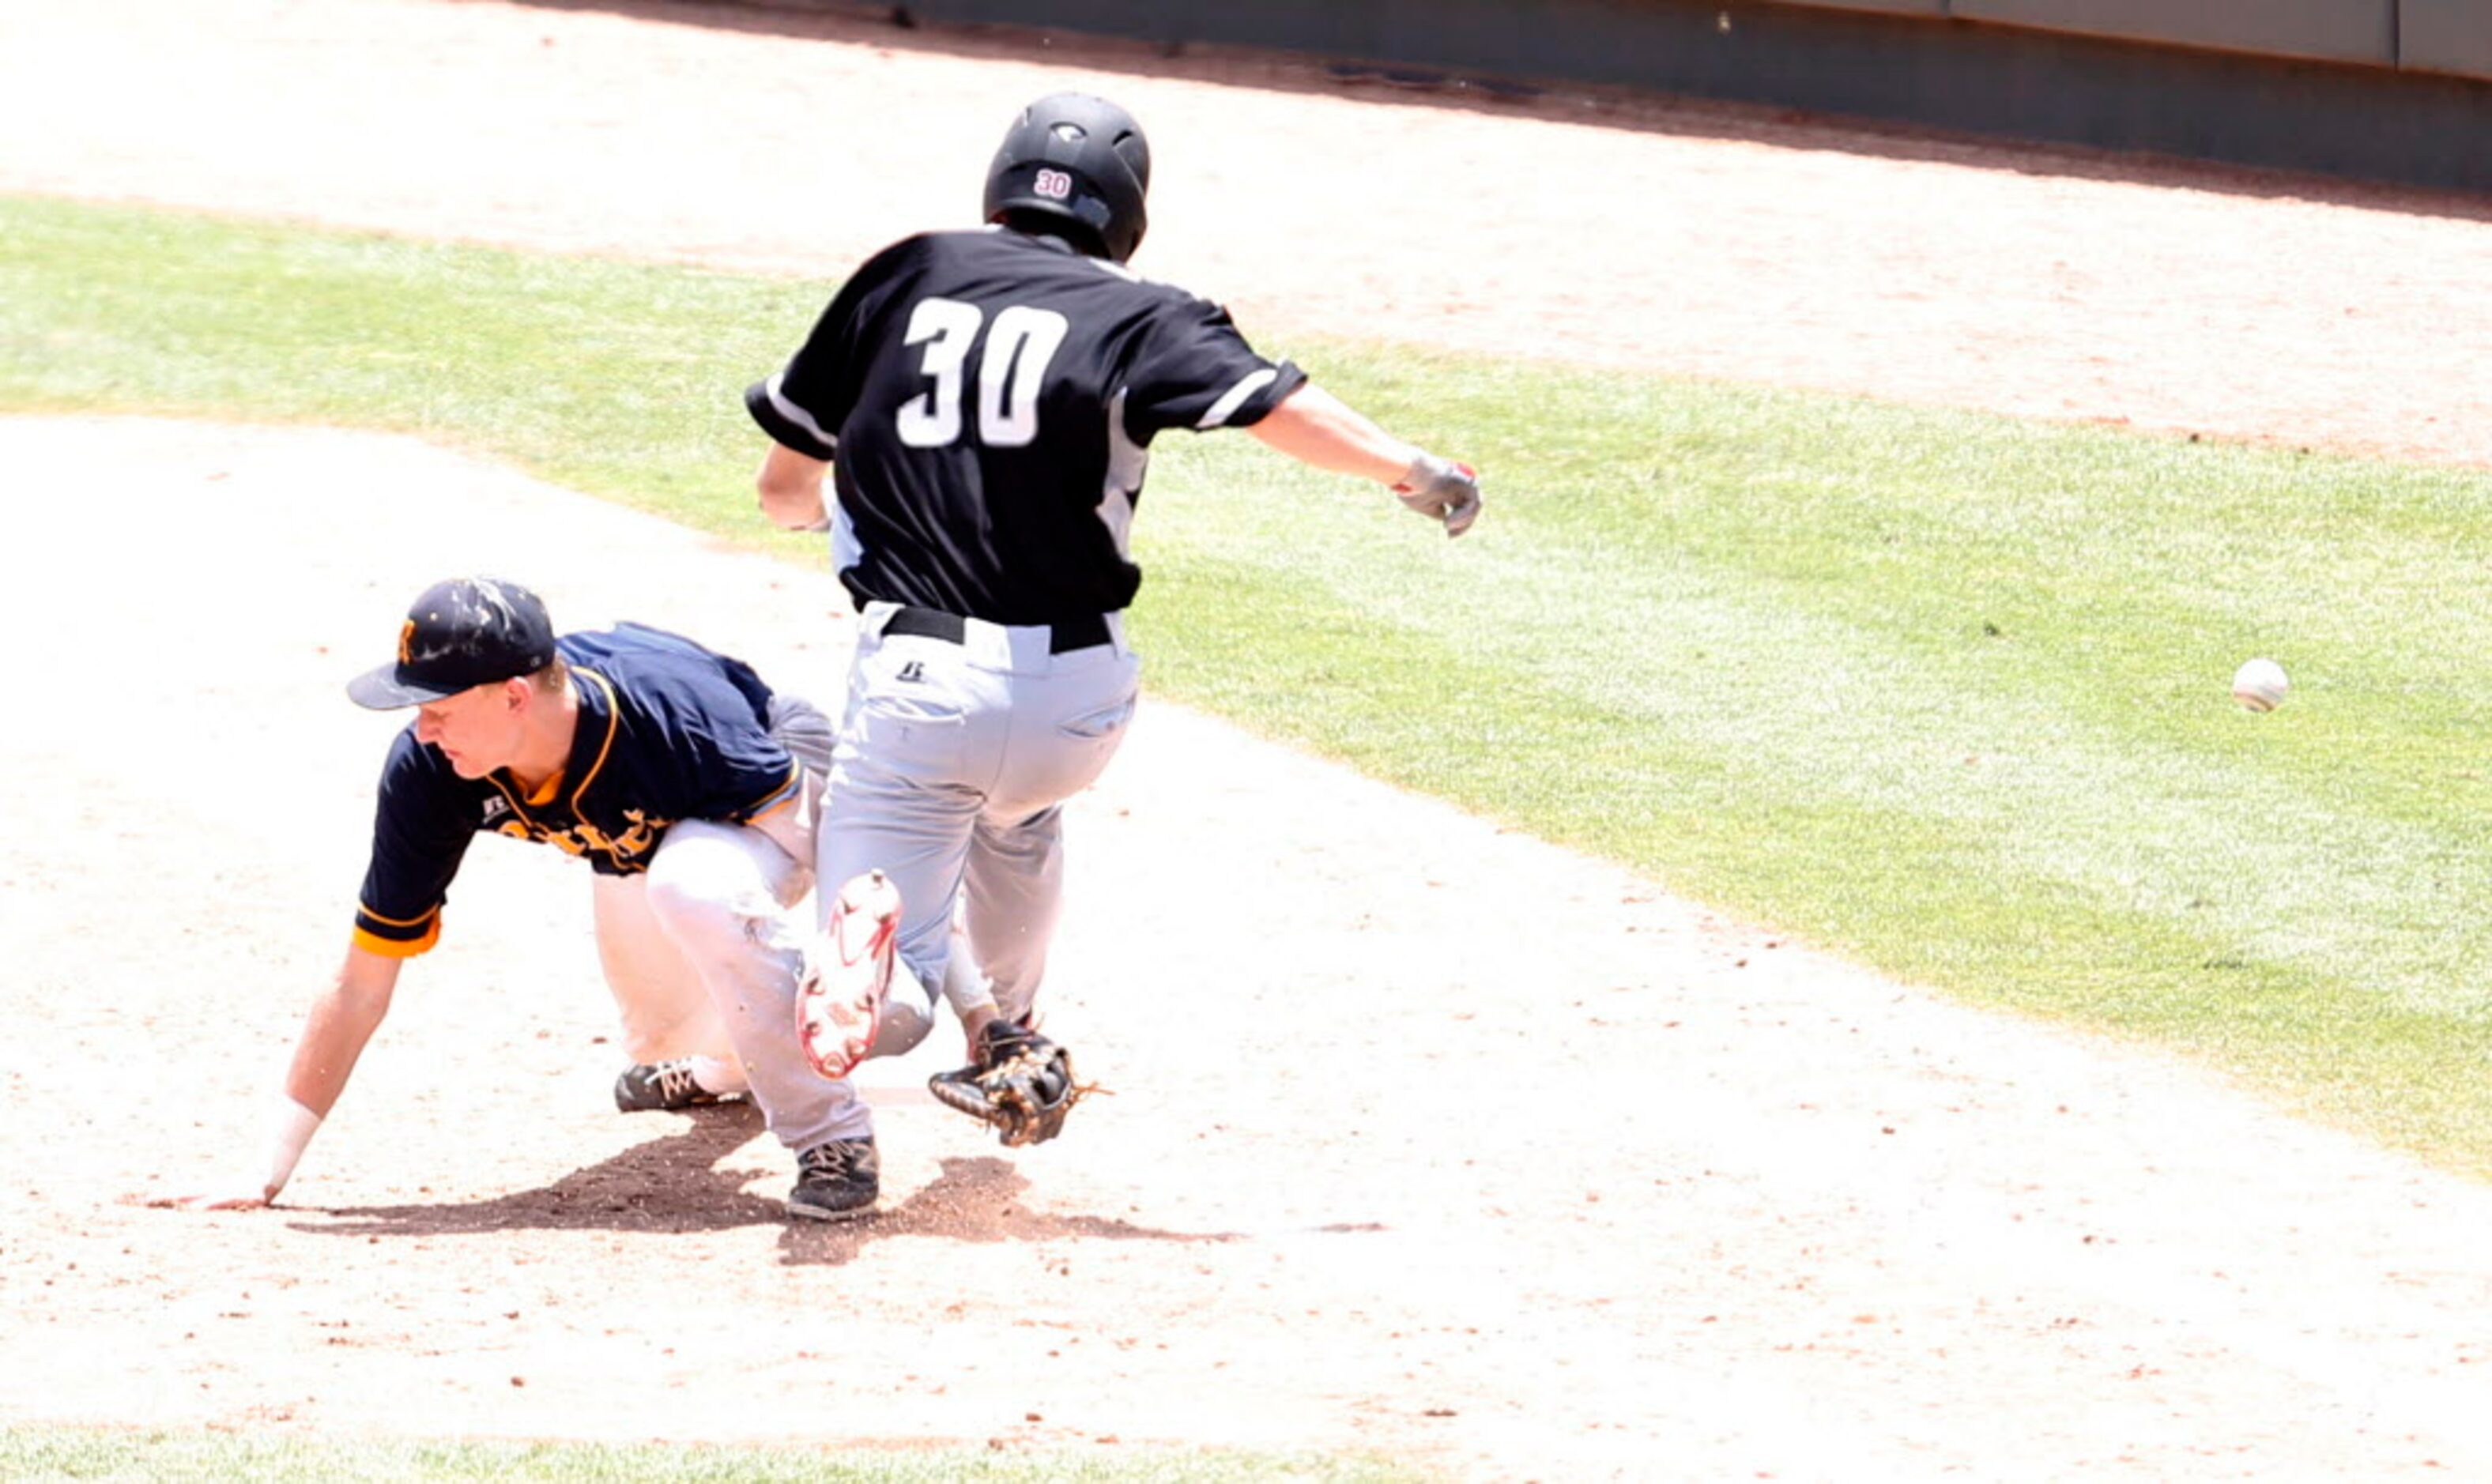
836 1181
663 1086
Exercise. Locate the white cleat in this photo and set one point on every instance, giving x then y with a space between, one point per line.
847 973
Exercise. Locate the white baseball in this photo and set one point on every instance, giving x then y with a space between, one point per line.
2260 685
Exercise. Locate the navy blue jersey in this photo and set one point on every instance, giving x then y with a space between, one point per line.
988 401
668 731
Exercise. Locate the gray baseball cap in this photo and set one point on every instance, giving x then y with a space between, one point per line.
461 634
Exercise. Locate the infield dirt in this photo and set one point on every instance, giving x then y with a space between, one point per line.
1835 1228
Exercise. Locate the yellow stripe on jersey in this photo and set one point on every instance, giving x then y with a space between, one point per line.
430 920
396 948
613 724
427 915
780 797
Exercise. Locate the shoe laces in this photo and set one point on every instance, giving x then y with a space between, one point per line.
675 1081
836 1160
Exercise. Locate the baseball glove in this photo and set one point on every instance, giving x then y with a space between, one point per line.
1022 1083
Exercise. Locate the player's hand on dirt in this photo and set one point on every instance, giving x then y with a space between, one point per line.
1443 490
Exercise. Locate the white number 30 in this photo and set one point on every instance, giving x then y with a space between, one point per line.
1012 367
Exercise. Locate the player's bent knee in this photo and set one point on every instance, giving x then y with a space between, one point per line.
683 911
704 911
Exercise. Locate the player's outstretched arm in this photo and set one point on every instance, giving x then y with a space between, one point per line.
1313 427
335 1033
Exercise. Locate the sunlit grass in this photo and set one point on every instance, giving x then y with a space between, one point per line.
1941 691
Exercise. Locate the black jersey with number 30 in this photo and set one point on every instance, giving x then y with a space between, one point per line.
988 399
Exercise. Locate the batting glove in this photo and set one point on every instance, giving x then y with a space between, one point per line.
1443 490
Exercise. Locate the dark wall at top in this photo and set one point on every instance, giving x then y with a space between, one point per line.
2448 36
2379 89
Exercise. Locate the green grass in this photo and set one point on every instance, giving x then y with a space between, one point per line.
64 1453
1941 691
611 377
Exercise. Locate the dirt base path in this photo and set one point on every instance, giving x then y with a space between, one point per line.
1840 1230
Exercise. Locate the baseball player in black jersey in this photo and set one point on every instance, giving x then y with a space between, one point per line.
688 786
986 402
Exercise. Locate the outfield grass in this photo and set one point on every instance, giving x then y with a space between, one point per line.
1942 691
98 1454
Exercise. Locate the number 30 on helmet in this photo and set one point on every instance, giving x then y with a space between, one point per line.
1080 160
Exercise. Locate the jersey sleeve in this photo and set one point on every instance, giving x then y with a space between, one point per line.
421 831
804 403
1195 372
778 768
786 789
742 772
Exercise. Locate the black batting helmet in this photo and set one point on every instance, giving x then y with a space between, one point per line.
1080 157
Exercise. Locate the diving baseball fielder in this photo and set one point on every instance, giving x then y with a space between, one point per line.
687 786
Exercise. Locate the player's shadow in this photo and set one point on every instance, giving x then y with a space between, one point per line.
973 1200
677 1183
674 1183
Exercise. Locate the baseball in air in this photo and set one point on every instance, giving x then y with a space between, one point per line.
2260 685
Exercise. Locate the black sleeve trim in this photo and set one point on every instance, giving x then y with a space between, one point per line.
788 424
